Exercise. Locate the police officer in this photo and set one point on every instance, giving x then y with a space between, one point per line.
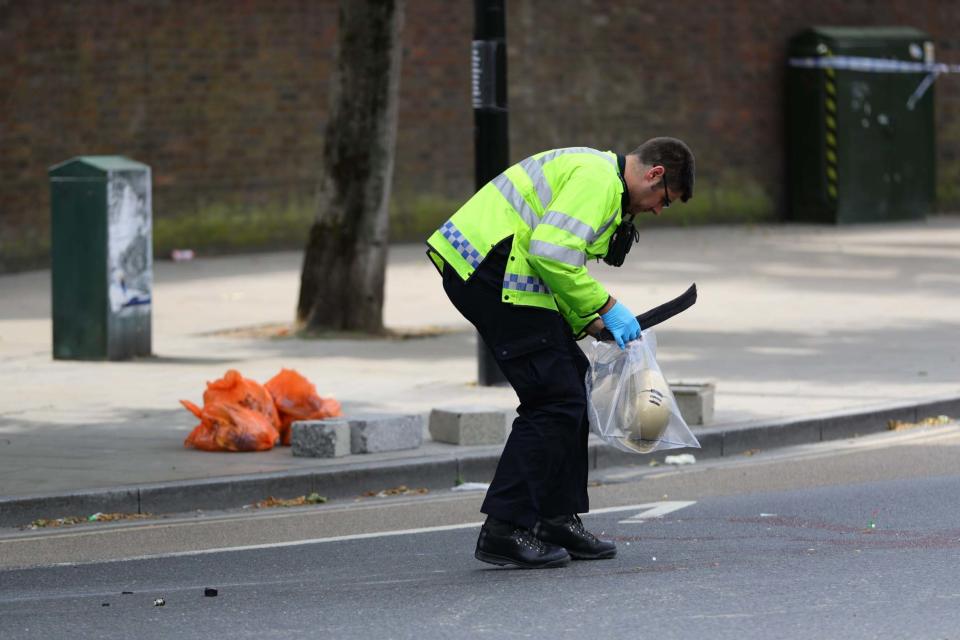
513 261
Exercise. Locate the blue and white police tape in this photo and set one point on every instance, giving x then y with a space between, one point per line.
880 65
875 65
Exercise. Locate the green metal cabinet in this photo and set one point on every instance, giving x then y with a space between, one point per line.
858 150
101 258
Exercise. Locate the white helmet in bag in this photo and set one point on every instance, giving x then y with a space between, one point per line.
651 409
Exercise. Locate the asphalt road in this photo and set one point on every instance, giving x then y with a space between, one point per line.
839 540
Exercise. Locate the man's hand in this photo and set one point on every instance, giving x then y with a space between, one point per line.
622 324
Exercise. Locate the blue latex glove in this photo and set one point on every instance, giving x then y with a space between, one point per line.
622 324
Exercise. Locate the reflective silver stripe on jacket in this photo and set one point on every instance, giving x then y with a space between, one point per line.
461 244
604 226
547 157
509 191
569 223
534 170
571 257
525 283
576 227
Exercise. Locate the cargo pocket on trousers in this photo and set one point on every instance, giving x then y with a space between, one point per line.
526 345
518 359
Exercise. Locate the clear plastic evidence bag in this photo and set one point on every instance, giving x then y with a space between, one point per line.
629 403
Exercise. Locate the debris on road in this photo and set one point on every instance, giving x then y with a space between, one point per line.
69 521
210 593
66 521
300 501
402 490
159 602
681 459
751 452
471 486
933 421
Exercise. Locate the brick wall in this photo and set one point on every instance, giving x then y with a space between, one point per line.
226 100
614 73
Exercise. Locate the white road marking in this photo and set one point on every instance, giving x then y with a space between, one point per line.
656 510
650 510
280 545
175 522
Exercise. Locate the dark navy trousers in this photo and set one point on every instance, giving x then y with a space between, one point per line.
543 468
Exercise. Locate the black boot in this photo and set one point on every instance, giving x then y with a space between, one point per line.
569 533
502 543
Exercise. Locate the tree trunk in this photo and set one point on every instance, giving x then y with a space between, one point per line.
342 281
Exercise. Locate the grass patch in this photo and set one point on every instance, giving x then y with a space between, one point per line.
413 217
718 204
23 248
237 227
223 227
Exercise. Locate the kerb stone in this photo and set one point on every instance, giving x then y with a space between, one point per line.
385 432
694 400
468 426
320 438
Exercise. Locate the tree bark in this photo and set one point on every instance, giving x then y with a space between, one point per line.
342 280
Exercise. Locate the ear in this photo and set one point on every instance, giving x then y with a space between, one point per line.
654 172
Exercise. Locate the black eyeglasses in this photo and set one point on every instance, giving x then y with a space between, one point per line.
666 196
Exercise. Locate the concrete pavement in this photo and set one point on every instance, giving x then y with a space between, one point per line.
795 324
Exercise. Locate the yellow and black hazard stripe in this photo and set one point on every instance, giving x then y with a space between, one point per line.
830 120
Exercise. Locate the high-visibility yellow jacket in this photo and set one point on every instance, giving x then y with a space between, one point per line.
561 207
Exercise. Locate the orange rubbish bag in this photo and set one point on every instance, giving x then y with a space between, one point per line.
238 414
296 399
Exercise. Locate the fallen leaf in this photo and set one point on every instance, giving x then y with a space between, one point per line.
933 421
270 502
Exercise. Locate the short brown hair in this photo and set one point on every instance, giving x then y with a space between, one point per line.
677 160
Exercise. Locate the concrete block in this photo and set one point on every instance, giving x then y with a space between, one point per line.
468 425
320 438
373 433
695 401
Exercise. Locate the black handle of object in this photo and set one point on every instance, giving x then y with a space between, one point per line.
660 313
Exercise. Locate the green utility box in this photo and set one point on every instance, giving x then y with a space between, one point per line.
860 128
101 258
